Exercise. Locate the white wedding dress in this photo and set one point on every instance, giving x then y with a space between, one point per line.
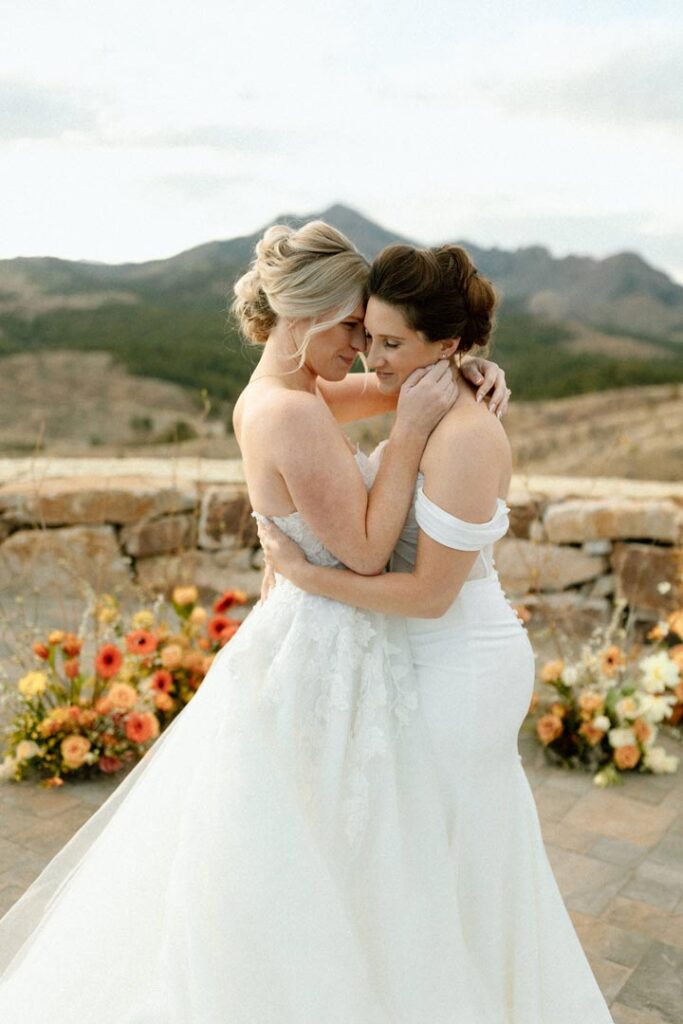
324 835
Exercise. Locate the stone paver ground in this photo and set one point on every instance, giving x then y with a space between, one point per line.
617 856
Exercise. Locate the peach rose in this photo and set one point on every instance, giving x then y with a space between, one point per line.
56 636
552 670
626 757
109 763
590 704
123 696
591 733
185 596
74 750
675 622
172 656
192 661
642 730
548 728
103 705
164 701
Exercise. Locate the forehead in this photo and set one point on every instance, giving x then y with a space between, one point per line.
381 318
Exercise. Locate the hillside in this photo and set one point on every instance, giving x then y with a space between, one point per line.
566 326
633 432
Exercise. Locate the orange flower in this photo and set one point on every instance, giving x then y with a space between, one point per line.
533 703
559 710
56 636
108 661
41 650
71 668
220 627
626 757
109 763
192 661
141 726
591 735
675 622
52 782
642 730
103 705
163 701
162 680
522 612
676 655
228 599
658 632
611 660
552 670
141 641
71 645
548 728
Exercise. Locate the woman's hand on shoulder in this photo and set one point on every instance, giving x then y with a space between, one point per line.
425 397
490 380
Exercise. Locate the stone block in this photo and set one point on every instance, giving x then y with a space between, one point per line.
159 536
573 522
524 511
61 560
225 520
85 500
649 577
214 571
524 566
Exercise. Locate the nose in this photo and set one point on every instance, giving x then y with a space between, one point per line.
373 356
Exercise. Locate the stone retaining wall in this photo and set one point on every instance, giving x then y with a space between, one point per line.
573 543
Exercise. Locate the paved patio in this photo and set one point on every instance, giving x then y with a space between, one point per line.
617 855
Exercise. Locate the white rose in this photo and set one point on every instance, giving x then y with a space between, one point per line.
659 672
602 722
656 707
570 675
627 707
622 737
26 749
7 767
659 762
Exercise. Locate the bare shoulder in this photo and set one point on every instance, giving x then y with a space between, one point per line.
473 432
278 415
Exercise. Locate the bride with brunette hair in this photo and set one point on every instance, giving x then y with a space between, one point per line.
502 936
281 855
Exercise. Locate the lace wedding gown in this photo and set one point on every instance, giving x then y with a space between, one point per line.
322 836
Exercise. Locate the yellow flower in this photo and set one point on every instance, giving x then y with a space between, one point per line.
198 616
144 619
185 595
552 670
56 636
33 684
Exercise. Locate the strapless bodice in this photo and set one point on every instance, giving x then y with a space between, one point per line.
296 527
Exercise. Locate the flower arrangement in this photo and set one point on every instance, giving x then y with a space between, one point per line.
607 707
76 720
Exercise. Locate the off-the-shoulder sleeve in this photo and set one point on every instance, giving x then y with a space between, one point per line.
458 533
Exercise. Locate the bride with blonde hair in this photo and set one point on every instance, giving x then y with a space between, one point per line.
280 854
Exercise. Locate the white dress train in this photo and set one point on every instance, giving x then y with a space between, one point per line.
324 835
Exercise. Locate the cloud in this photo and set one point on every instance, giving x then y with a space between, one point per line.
30 111
637 87
195 186
221 137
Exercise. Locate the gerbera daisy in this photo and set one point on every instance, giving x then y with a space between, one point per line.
108 661
162 681
228 599
141 641
220 626
611 659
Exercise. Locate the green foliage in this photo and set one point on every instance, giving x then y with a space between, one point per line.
200 349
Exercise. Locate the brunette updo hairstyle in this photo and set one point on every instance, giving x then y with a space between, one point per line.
300 273
439 291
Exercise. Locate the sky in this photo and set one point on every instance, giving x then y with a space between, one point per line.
135 130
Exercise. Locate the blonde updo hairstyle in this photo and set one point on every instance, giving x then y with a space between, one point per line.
440 292
297 274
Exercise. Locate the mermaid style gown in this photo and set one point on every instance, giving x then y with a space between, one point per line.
324 835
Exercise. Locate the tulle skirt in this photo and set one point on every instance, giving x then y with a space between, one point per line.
324 835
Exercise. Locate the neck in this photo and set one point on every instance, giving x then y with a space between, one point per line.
279 360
